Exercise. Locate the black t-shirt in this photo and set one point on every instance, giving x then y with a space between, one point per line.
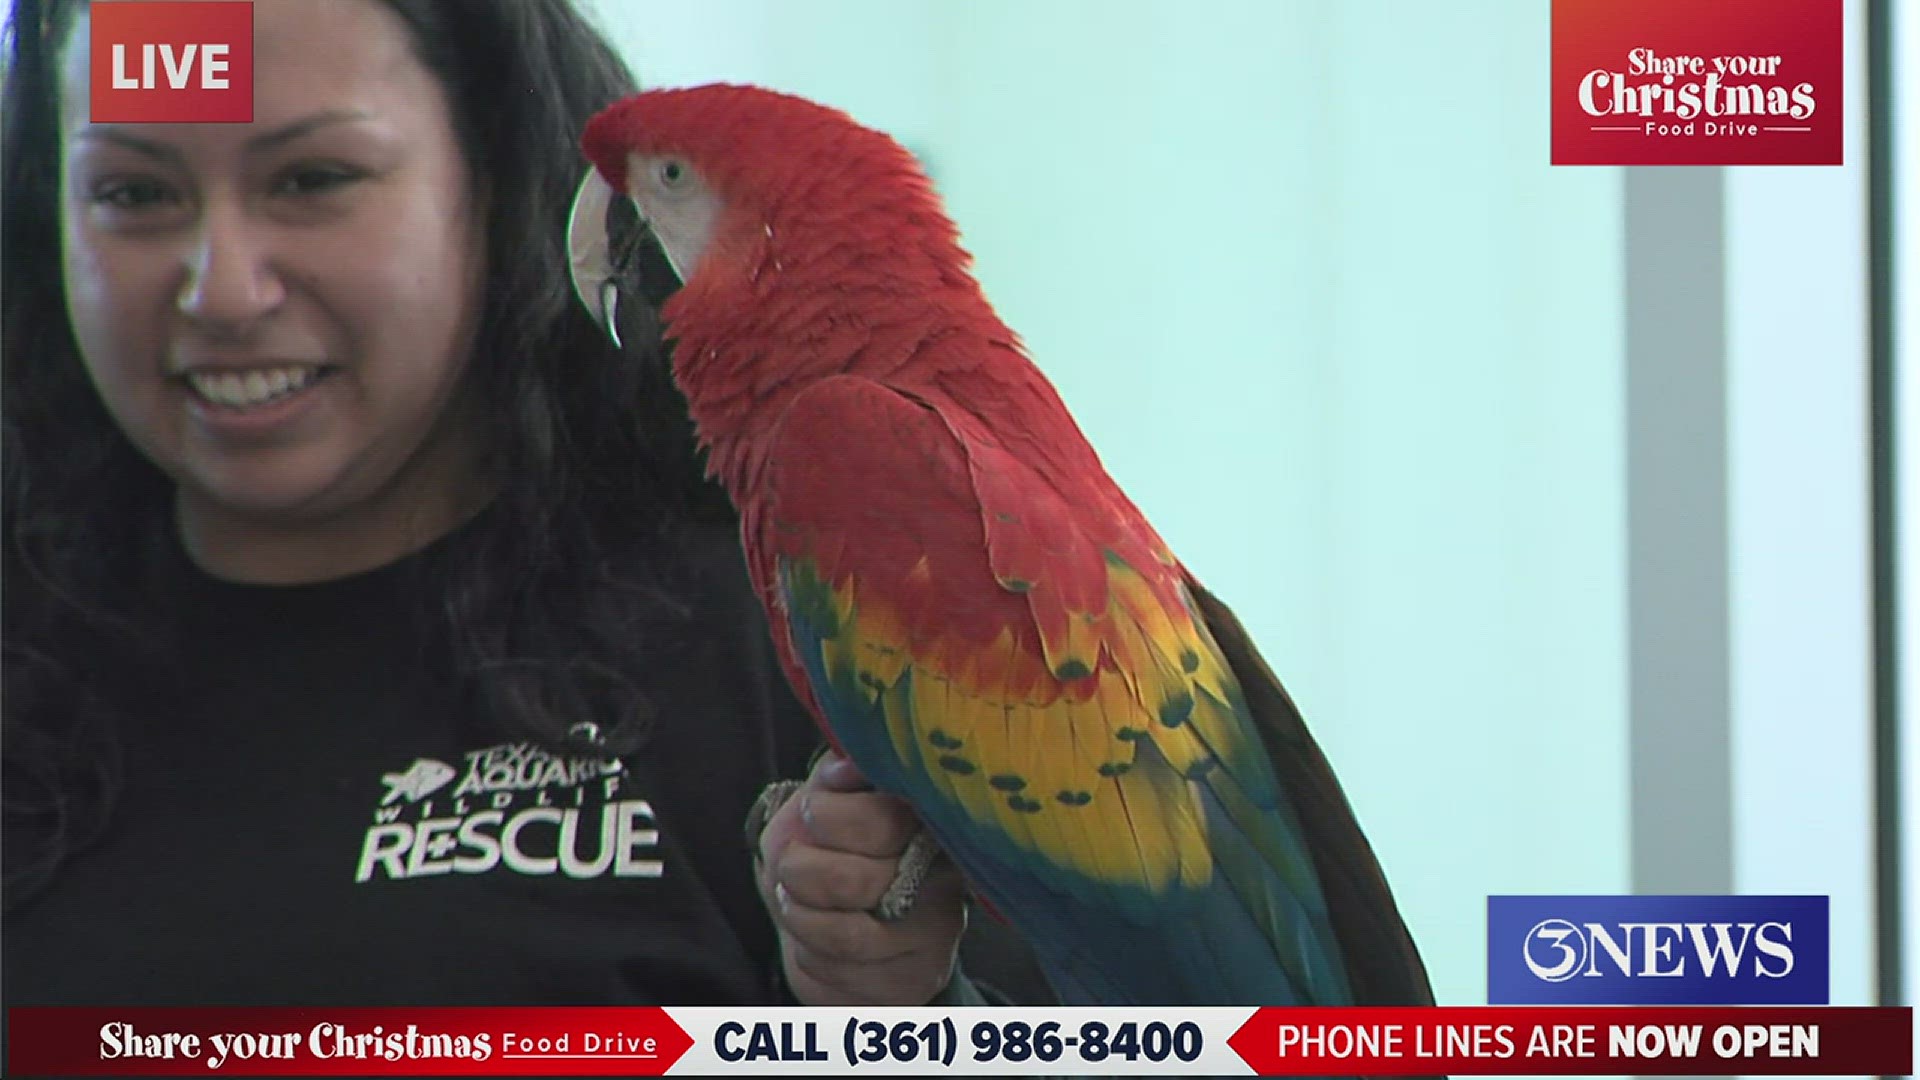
311 816
311 819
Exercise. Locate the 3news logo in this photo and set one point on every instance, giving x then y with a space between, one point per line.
1657 950
170 61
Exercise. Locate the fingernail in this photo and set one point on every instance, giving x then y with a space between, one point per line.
781 897
806 810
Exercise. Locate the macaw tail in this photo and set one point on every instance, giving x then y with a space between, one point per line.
1205 944
1382 962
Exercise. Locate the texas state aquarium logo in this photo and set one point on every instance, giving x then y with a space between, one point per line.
1691 82
514 808
170 62
1657 950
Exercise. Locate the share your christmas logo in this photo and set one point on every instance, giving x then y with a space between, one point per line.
1683 82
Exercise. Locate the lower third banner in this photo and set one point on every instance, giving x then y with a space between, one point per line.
1460 1041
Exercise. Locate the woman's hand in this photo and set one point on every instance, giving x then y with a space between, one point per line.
826 858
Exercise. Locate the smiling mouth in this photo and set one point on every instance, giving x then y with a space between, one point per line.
253 388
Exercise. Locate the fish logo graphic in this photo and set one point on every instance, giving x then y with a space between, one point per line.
422 779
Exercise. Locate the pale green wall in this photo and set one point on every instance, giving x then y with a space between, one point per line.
1304 274
1906 259
1798 494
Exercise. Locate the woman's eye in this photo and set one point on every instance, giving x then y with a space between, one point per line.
131 194
313 180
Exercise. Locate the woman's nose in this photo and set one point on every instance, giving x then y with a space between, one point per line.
230 276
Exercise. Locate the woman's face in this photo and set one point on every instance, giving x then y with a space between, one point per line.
278 313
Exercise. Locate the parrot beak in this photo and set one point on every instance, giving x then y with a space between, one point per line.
589 255
609 243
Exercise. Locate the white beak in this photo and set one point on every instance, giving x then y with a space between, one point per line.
589 257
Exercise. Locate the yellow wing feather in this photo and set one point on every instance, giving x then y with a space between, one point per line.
1068 777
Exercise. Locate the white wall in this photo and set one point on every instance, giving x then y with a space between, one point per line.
1802 592
1907 333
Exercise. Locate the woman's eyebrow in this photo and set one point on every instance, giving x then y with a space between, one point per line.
298 128
265 141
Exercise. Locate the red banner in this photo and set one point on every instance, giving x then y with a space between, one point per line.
1578 1041
1660 82
177 62
343 1042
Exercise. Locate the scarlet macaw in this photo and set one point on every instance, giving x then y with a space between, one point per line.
967 602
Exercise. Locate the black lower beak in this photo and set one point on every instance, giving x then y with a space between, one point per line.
640 263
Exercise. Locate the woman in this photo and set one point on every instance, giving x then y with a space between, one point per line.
372 637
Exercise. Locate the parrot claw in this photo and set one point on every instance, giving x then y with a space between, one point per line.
911 872
915 862
772 798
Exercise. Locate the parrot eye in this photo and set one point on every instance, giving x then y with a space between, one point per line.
672 173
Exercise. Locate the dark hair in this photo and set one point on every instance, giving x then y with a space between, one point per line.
590 445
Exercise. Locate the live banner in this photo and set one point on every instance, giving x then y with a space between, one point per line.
1458 1041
